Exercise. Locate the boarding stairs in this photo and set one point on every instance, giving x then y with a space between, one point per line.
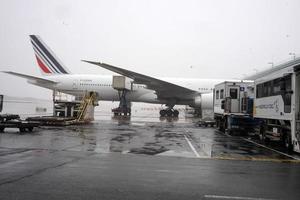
87 100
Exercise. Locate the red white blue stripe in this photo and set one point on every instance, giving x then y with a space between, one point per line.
47 61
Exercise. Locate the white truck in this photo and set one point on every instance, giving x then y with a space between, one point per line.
233 106
277 104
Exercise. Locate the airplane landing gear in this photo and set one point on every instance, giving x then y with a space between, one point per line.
169 112
198 112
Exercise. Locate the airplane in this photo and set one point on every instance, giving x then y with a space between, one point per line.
197 93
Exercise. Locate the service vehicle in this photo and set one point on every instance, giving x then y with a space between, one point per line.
233 106
277 104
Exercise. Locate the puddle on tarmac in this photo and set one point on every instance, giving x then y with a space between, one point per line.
148 150
168 134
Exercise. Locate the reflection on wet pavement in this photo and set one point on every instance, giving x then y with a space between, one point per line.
129 135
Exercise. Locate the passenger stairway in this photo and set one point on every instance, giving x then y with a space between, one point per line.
87 100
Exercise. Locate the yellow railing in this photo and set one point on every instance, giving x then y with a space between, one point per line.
88 99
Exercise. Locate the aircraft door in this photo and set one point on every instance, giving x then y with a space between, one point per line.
75 84
234 95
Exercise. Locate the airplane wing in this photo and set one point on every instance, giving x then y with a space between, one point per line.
163 89
32 78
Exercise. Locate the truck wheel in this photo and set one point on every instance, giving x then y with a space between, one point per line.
262 134
22 130
222 125
264 138
229 132
288 142
30 129
219 125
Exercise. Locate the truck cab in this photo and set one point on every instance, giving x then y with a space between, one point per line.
233 105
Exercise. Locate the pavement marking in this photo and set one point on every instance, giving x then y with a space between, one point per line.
295 159
256 159
271 149
202 146
191 146
233 197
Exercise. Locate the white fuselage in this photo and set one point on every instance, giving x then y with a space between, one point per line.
78 84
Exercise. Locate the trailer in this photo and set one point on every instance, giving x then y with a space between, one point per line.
206 123
14 121
233 106
277 104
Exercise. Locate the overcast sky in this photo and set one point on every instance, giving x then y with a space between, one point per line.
187 38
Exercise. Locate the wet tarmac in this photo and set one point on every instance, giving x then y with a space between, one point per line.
142 158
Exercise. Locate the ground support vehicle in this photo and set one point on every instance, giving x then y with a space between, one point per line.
123 85
206 123
14 121
233 106
124 110
277 104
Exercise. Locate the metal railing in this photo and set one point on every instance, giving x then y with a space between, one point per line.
88 99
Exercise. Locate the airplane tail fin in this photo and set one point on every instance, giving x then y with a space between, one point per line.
48 63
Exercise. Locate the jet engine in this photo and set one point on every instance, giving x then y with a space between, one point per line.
203 101
207 101
203 105
197 102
